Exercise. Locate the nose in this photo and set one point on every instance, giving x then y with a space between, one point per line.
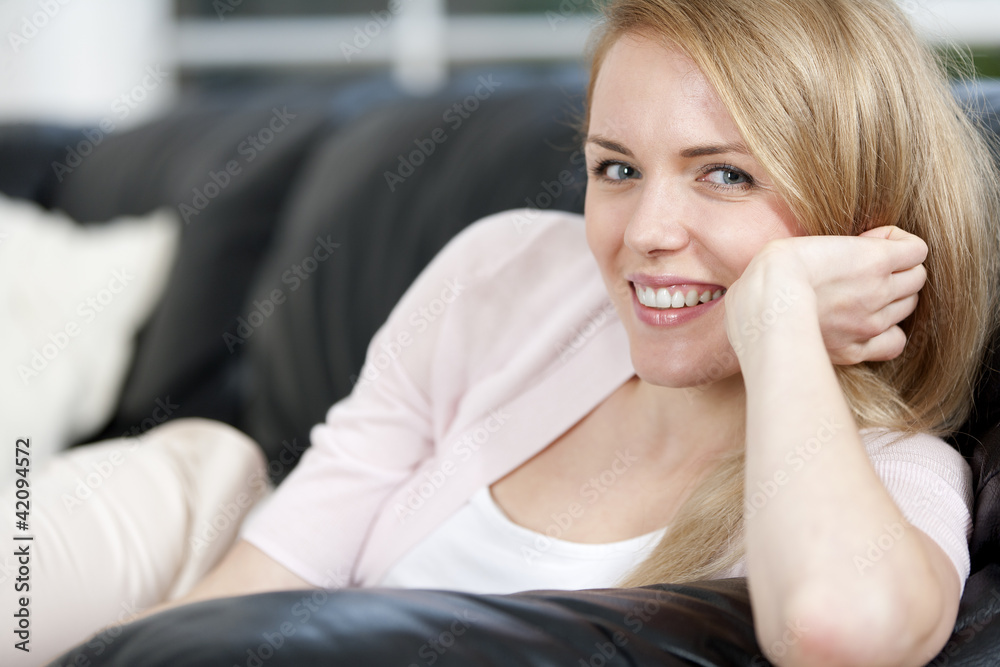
659 222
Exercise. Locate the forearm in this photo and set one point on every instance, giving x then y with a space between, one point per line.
244 570
815 508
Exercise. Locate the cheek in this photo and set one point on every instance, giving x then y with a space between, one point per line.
606 241
602 230
744 239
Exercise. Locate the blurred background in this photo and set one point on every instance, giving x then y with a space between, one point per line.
260 128
76 62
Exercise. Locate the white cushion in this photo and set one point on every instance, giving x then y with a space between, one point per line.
72 298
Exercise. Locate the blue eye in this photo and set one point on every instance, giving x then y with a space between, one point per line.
610 170
729 176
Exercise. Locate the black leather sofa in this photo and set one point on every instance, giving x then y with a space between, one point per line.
360 165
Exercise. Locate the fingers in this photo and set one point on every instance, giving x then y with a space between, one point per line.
884 347
872 338
908 282
897 311
910 250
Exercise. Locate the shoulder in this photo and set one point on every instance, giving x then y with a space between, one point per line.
921 469
513 246
523 248
931 483
494 242
529 279
921 449
509 286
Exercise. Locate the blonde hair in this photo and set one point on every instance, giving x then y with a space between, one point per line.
853 119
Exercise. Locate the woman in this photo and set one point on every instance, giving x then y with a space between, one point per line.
772 185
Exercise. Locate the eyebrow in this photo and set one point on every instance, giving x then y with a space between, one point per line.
610 145
702 151
693 152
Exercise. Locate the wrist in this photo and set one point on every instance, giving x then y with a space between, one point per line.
788 315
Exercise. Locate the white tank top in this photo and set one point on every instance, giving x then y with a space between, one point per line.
480 550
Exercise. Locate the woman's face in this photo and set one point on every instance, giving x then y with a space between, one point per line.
676 208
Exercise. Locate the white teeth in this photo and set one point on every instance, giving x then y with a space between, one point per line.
662 298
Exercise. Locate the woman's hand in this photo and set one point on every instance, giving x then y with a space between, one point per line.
858 288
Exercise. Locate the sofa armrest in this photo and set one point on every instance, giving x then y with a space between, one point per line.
699 624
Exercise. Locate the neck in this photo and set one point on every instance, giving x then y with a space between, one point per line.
680 425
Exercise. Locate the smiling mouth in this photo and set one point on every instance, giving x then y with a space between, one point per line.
673 298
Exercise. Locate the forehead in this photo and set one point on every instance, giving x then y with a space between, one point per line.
648 92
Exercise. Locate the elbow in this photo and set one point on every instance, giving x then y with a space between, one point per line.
823 629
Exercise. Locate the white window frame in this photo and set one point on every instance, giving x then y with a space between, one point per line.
419 40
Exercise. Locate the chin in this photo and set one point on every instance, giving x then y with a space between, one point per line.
687 373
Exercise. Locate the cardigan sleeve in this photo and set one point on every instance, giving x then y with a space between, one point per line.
932 486
316 522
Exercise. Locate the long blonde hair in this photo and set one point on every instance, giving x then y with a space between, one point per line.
853 119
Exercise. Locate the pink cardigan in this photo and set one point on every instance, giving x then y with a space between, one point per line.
506 340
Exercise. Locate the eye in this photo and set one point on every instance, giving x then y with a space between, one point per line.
725 176
610 170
